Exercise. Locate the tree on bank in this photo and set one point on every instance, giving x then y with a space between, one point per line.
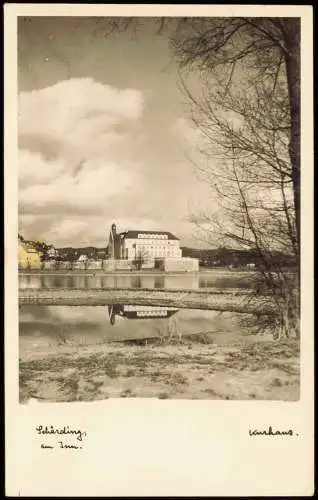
249 118
248 168
248 114
141 257
267 50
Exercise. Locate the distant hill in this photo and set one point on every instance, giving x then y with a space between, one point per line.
220 257
209 257
71 254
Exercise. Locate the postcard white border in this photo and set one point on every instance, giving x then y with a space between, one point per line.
157 447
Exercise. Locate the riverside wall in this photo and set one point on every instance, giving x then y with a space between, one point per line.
166 265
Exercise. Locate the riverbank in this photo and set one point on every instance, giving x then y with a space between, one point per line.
257 368
144 272
231 300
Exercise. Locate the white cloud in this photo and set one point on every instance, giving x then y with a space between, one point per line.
69 227
71 105
34 169
186 132
89 157
69 166
88 191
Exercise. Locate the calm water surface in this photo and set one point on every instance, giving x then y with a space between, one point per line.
190 281
41 326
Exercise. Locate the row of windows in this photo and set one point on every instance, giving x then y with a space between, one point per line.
153 236
155 251
160 253
147 246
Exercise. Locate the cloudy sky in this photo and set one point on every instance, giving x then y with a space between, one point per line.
103 133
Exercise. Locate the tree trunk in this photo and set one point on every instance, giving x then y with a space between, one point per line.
292 59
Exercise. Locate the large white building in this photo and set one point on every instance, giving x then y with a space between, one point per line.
145 245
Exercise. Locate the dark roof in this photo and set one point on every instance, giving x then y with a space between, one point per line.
134 234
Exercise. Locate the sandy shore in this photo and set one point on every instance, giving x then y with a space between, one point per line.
247 369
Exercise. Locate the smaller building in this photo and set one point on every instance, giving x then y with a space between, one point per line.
83 258
29 257
184 264
49 265
64 265
94 264
52 253
79 265
251 265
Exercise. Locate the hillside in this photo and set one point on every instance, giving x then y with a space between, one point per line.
232 257
71 254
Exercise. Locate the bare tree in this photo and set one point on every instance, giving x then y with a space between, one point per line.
245 130
140 258
261 48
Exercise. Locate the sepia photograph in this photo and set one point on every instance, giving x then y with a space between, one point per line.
159 224
159 291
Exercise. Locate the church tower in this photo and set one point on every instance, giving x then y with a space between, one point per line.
112 242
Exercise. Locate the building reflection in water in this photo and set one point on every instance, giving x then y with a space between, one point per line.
139 312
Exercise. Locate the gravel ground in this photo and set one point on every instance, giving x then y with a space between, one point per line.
258 368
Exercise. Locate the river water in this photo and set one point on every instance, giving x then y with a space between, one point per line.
184 281
42 326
